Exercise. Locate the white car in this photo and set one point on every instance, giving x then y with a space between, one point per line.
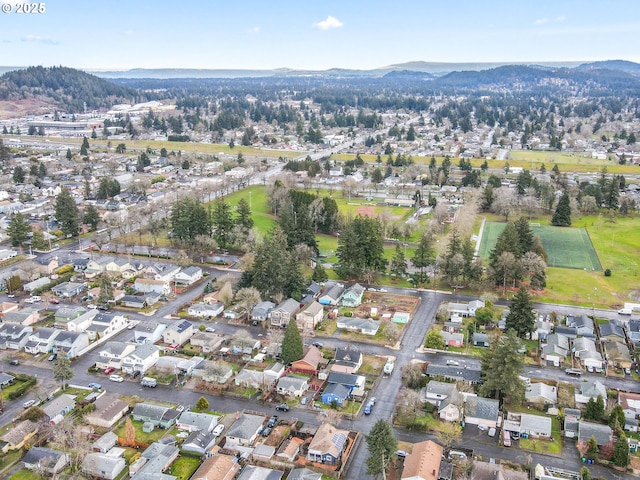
210 329
218 430
116 378
29 403
454 363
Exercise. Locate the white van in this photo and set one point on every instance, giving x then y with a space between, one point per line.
625 311
492 432
149 382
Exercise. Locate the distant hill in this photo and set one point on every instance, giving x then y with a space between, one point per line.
620 65
65 88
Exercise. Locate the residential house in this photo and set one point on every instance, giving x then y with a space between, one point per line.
82 323
459 309
451 408
17 436
352 296
162 271
481 411
308 364
633 330
252 472
332 294
602 433
178 334
452 339
41 340
105 324
199 442
133 301
281 315
208 342
6 379
494 471
365 326
328 445
71 344
14 336
314 289
263 380
141 359
611 331
263 452
310 316
585 350
45 460
556 349
534 426
436 392
346 379
109 409
569 332
105 443
617 354
423 463
193 421
217 467
155 460
157 415
111 354
291 385
262 310
188 276
244 430
148 332
103 465
347 360
68 289
47 264
582 324
335 393
24 316
541 393
481 340
290 449
457 374
215 373
151 285
473 306
202 310
304 474
66 313
630 403
56 408
590 389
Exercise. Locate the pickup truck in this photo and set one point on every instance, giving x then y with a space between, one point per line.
388 367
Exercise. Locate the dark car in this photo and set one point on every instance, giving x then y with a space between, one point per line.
14 362
283 407
317 344
266 432
272 421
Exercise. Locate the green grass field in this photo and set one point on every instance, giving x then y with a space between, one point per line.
565 247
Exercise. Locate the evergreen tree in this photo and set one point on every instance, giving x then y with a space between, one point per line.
91 216
38 242
611 193
319 274
617 416
189 219
621 451
423 257
398 266
67 213
69 154
202 404
221 222
292 348
84 148
521 317
585 473
592 447
434 340
244 218
382 446
18 174
562 215
526 239
62 371
360 248
18 230
501 367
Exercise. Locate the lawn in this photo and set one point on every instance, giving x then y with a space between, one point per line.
23 474
565 247
184 467
545 446
141 436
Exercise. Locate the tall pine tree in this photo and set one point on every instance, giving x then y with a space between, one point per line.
521 318
562 215
292 348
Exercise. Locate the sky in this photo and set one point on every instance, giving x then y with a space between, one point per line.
316 35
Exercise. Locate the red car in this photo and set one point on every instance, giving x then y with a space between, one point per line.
55 301
109 370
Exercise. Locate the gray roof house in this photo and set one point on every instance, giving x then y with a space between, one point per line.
332 295
192 421
291 385
158 415
14 336
470 375
556 349
582 324
252 472
103 465
262 310
199 441
304 474
284 312
366 326
590 389
541 393
481 411
435 392
148 332
105 443
602 433
68 289
59 406
156 459
45 459
71 343
612 331
244 430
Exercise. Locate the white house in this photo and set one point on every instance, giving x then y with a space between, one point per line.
141 359
291 385
178 334
148 332
205 310
188 276
113 353
151 285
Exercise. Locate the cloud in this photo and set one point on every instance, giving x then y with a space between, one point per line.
254 30
129 32
328 24
39 39
541 21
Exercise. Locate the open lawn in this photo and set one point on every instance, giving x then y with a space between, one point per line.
141 436
23 474
565 247
184 466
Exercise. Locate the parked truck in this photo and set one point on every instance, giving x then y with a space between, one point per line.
388 367
149 382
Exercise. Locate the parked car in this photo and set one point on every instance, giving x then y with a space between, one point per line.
116 378
401 453
109 370
455 363
29 403
218 430
52 357
492 432
210 329
95 386
54 301
283 407
266 432
14 362
272 421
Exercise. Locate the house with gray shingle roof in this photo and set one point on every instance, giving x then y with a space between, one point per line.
262 310
141 359
244 430
602 433
481 411
193 421
435 392
199 441
590 389
292 385
155 460
366 326
158 415
327 445
45 460
59 406
70 343
284 312
352 296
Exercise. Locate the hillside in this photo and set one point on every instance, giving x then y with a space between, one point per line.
71 90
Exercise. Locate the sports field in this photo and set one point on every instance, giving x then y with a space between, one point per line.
565 247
